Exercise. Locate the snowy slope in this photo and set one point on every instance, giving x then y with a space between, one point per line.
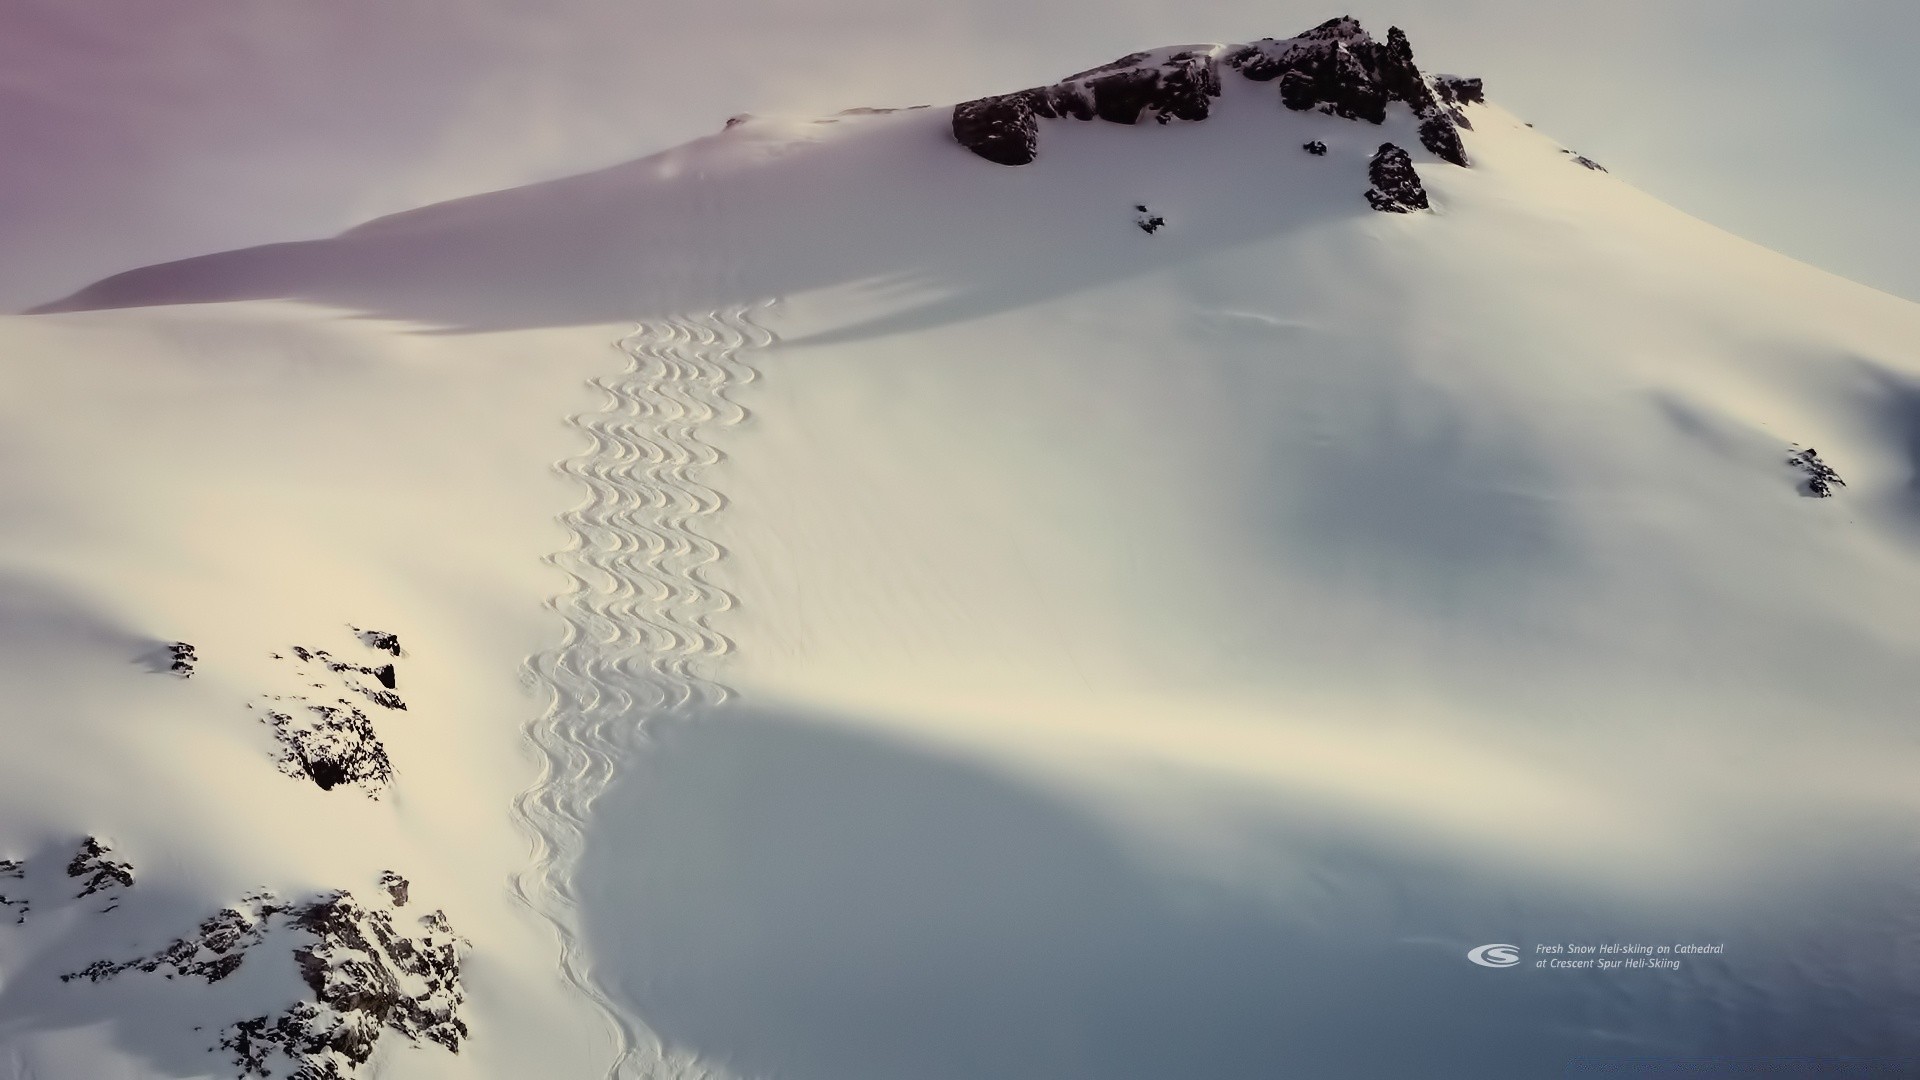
959 633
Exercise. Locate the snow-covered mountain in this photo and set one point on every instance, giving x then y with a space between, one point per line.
1130 578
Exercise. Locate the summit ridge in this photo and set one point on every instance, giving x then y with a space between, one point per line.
1337 68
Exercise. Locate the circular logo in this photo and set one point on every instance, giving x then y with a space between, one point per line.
1494 956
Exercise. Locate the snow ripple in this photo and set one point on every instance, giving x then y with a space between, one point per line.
638 612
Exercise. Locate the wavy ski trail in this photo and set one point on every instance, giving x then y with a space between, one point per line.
638 612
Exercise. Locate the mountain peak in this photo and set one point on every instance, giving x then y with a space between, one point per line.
1336 67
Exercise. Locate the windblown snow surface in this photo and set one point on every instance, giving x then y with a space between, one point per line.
870 613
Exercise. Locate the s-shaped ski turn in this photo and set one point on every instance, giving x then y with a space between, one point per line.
639 639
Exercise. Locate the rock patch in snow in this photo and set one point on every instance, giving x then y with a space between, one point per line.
175 658
379 639
333 742
92 866
369 975
368 970
98 872
384 674
1005 128
331 745
395 886
1396 186
212 953
1441 136
1821 479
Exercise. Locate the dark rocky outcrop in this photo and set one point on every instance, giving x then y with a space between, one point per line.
367 972
379 639
1441 137
325 737
357 966
1063 101
1270 58
331 745
1005 128
92 866
1821 479
1181 87
1316 148
1399 76
96 869
1460 90
181 659
1336 68
1396 186
1148 221
213 952
386 699
1585 162
385 674
1001 129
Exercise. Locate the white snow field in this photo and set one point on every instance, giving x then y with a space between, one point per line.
871 613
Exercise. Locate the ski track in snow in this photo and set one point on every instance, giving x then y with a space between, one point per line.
638 613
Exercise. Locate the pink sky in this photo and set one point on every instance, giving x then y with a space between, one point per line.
138 132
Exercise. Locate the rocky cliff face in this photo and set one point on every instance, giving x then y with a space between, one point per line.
1337 68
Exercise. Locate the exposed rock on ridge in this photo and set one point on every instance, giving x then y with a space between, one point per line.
1178 86
1459 90
1336 67
1000 129
1340 69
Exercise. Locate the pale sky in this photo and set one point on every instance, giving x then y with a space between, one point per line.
133 131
